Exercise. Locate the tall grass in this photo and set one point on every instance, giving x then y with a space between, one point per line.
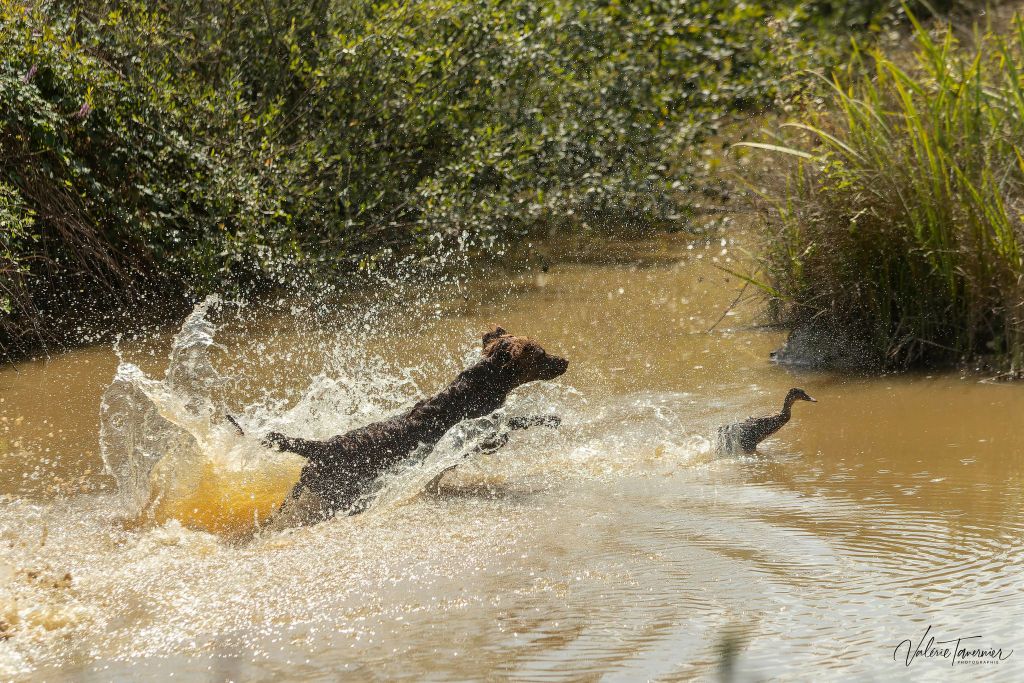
901 222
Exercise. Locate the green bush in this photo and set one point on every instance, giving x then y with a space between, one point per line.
246 143
903 223
391 121
119 189
16 229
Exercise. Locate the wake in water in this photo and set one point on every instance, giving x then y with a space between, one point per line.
175 456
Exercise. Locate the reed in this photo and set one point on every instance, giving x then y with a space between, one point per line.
901 220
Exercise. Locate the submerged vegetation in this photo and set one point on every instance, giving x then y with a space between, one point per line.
191 146
900 227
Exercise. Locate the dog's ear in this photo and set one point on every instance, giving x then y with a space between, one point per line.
496 332
499 351
502 352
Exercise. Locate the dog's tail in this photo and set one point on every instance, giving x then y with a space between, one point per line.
235 424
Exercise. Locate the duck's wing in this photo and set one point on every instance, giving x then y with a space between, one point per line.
752 422
761 428
744 436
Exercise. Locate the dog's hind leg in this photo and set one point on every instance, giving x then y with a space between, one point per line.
304 447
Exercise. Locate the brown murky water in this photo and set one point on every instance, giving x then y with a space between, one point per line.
617 547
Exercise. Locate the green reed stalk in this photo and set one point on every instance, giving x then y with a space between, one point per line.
901 220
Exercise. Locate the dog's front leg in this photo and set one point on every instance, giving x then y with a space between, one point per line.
498 441
492 443
489 445
529 421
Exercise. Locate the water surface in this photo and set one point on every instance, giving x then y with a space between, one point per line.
617 547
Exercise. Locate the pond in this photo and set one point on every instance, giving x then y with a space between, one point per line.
617 546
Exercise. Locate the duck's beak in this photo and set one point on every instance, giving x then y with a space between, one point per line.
812 399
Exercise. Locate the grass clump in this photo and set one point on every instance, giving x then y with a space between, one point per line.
901 223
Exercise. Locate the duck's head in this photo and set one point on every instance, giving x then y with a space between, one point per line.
798 395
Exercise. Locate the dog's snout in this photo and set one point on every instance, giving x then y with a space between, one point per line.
558 365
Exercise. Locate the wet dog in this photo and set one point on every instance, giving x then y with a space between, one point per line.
340 469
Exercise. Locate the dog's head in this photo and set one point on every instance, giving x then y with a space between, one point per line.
524 358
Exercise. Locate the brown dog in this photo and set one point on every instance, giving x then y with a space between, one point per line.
341 468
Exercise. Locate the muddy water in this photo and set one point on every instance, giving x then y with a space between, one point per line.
618 546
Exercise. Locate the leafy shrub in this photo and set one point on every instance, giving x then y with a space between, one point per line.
16 228
394 120
246 143
118 188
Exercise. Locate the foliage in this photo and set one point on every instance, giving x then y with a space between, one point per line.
16 223
904 223
191 146
103 185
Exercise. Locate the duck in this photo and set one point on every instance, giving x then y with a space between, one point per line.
743 437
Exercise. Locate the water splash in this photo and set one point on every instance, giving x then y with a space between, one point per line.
175 456
171 452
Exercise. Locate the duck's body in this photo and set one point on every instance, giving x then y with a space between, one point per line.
743 437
